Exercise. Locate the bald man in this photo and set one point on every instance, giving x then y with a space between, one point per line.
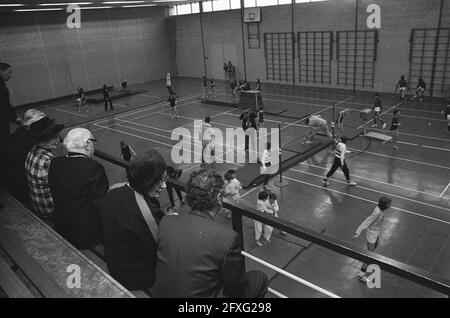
76 182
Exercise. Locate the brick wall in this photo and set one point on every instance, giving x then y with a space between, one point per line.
50 60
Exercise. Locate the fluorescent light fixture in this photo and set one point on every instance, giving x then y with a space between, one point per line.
142 5
90 8
170 1
64 4
12 5
31 10
122 2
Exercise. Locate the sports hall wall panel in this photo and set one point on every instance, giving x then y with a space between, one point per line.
50 60
398 17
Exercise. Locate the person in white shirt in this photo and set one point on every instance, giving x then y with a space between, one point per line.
273 204
316 124
339 161
373 225
207 138
232 186
169 84
266 162
263 205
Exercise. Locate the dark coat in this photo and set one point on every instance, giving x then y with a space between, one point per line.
76 182
198 258
130 249
7 113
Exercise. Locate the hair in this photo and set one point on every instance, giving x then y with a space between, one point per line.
402 77
207 119
228 176
104 86
263 195
307 121
202 189
377 94
77 138
383 202
122 144
344 139
272 196
30 116
170 170
396 111
4 66
146 171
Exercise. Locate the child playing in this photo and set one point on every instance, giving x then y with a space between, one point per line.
232 186
394 128
377 106
262 205
273 204
173 103
402 86
373 225
420 90
126 151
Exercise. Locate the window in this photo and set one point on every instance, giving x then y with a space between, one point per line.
184 9
207 6
249 3
195 7
235 4
220 5
265 3
301 1
278 54
280 2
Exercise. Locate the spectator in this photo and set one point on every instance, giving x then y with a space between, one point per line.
402 86
420 90
209 263
20 143
76 181
130 216
263 205
273 205
232 186
46 134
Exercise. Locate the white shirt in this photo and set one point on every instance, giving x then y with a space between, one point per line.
340 150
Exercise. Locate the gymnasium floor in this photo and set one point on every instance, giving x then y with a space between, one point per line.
416 177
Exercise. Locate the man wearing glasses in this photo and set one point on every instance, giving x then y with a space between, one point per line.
76 182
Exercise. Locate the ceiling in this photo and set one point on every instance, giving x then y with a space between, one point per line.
55 5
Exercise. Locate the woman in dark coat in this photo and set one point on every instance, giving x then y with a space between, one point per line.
130 245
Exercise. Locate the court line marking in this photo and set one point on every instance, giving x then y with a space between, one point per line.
404 159
373 180
438 148
414 135
120 105
160 112
367 200
445 190
374 190
331 100
417 145
142 94
66 111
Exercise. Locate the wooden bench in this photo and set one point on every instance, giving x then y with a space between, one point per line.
44 258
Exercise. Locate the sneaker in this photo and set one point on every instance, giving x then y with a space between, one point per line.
351 183
258 242
267 242
325 183
384 126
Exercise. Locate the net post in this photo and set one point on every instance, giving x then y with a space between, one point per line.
281 182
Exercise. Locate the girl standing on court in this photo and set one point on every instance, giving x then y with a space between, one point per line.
173 104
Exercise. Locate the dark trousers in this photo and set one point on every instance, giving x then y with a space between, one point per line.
108 100
257 284
267 176
169 88
337 164
170 193
370 247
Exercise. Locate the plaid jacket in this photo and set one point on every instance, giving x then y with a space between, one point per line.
36 167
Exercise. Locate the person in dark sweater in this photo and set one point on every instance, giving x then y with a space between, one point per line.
76 181
420 90
126 152
107 98
130 217
172 101
377 108
402 86
394 127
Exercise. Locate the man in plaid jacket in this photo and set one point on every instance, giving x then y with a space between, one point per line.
46 134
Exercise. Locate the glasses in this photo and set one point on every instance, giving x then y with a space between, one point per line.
94 141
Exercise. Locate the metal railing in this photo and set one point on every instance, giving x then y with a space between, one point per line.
400 269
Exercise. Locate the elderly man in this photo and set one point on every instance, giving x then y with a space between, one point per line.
198 257
46 135
76 181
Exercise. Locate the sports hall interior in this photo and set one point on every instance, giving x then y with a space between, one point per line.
312 58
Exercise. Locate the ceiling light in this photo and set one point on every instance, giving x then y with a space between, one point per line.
64 4
30 10
122 2
12 5
87 8
138 6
